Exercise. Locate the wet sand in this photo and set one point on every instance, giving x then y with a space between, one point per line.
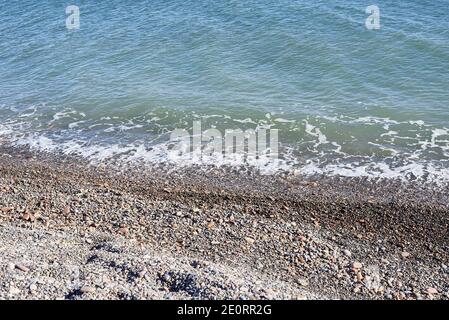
70 230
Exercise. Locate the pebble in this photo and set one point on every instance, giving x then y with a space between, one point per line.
124 231
22 268
431 291
357 265
249 240
11 266
303 282
347 253
405 254
269 294
142 273
14 291
87 289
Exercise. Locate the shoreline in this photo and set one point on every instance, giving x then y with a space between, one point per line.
215 234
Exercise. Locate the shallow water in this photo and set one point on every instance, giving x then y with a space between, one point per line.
346 100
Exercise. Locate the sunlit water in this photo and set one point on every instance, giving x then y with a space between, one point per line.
346 100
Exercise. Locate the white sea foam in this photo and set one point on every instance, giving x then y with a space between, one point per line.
316 132
322 153
429 172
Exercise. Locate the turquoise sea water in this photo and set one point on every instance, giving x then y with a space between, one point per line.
346 100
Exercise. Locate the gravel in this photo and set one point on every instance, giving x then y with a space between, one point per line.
69 230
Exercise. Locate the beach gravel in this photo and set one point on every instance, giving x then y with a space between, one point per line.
69 230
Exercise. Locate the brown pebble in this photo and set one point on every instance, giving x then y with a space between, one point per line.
124 231
22 268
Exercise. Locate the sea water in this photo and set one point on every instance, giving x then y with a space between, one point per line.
346 99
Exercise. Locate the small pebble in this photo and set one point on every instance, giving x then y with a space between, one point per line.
22 268
303 282
249 240
431 291
87 289
347 253
14 291
357 265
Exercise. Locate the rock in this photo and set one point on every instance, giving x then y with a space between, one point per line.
347 253
142 273
22 268
123 230
33 287
359 277
66 210
26 216
357 265
11 267
303 282
405 254
87 289
431 291
14 291
249 240
269 294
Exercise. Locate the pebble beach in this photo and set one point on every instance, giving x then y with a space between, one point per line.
70 230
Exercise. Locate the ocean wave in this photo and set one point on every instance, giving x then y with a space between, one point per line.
333 145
